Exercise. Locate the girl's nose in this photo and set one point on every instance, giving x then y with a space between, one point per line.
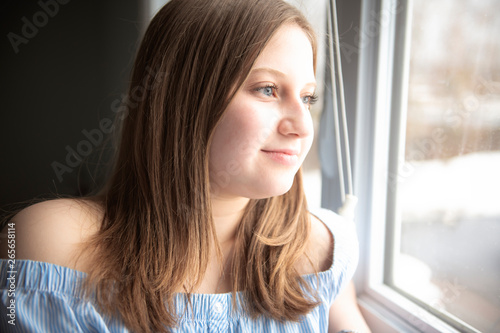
296 119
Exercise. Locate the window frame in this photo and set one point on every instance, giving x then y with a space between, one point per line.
382 91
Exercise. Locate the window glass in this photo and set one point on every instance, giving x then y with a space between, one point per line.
447 186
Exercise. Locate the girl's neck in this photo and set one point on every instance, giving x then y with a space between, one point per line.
227 214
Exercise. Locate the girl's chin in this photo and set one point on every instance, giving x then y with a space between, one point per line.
274 191
257 188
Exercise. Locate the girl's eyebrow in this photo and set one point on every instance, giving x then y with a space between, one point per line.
277 73
268 70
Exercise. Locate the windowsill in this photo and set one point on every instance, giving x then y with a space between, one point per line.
387 311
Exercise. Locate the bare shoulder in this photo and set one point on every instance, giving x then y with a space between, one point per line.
319 248
53 231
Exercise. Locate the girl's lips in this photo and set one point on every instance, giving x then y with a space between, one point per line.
285 157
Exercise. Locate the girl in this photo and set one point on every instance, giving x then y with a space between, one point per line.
203 225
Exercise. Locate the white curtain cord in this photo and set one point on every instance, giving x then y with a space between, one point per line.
335 106
348 199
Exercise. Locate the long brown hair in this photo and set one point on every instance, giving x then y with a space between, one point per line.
157 231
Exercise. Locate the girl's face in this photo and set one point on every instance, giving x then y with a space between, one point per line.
267 129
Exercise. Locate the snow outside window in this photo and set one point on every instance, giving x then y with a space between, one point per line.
444 190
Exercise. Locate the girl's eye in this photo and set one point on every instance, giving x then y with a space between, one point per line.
269 91
310 99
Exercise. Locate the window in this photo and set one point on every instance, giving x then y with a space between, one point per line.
428 155
446 189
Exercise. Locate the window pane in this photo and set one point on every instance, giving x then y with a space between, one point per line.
448 188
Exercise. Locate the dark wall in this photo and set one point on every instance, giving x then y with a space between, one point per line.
349 28
62 68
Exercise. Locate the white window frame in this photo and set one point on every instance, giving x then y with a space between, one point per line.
380 129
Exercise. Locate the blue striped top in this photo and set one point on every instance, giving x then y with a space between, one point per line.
43 297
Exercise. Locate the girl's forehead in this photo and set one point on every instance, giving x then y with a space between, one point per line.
288 52
286 39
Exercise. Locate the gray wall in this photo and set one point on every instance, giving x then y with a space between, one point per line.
57 81
348 12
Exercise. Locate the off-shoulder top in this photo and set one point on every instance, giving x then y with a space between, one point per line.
43 297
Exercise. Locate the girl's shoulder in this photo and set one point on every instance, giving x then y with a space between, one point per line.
342 256
333 239
319 249
53 231
321 243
